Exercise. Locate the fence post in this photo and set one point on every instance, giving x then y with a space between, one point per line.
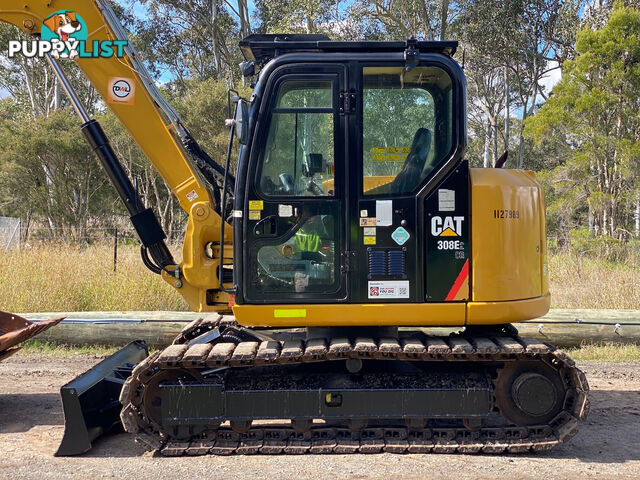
115 250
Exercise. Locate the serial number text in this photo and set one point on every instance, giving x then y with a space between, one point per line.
506 214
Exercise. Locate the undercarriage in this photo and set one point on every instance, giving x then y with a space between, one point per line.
221 389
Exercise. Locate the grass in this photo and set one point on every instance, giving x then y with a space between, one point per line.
585 282
66 278
606 352
41 347
55 278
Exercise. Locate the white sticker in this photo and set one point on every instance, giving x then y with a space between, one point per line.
446 200
384 213
388 289
237 214
369 231
285 211
121 90
192 195
364 213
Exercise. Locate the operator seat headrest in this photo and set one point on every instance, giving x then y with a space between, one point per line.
411 173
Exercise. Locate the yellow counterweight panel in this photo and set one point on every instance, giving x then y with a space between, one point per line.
491 313
392 314
142 119
348 315
508 243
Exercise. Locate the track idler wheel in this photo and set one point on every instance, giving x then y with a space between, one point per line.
529 393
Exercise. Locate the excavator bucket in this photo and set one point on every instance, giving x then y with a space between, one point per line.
15 329
91 402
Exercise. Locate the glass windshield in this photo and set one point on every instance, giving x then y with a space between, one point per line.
298 159
407 127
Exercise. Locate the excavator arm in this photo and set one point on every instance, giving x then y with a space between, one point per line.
193 177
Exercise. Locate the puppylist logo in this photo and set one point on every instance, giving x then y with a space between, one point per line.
64 34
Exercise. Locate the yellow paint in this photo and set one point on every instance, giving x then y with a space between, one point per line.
290 313
463 293
448 233
256 205
396 314
369 240
369 183
487 313
506 252
355 314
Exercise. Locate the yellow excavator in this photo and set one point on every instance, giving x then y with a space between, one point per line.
352 225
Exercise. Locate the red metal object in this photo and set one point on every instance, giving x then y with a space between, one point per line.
15 329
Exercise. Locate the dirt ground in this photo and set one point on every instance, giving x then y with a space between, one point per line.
31 426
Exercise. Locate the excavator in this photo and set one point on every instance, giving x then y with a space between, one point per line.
352 226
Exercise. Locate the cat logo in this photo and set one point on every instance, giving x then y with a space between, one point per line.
447 226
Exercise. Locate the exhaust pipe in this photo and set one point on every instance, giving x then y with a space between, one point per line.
91 402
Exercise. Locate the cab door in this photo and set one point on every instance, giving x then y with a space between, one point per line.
294 213
403 126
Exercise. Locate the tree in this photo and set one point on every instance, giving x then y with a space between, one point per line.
592 118
514 43
47 168
191 39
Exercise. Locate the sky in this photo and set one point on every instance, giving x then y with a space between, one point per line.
549 81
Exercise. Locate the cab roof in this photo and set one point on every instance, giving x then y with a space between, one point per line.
261 48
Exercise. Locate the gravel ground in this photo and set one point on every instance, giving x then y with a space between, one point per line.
31 426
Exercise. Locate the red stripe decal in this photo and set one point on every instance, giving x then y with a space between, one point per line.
462 276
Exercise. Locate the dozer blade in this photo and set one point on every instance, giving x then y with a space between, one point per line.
15 329
91 402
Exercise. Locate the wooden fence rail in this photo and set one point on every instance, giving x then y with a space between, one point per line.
560 327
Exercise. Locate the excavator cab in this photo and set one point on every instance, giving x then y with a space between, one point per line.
348 141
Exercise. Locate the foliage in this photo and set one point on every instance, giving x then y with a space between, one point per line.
592 121
46 167
57 278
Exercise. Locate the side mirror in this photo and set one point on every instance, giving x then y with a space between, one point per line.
242 121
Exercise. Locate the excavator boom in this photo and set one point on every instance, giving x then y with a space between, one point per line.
124 83
150 120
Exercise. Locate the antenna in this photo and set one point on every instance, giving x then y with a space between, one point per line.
464 51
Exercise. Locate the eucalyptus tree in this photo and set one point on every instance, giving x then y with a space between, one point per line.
592 117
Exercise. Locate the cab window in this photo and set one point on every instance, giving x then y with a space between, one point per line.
298 159
406 127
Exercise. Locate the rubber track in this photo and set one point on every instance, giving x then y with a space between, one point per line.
275 439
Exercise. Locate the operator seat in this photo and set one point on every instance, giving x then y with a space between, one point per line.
411 173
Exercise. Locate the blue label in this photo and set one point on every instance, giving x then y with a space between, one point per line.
400 236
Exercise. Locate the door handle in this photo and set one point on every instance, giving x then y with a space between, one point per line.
268 226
